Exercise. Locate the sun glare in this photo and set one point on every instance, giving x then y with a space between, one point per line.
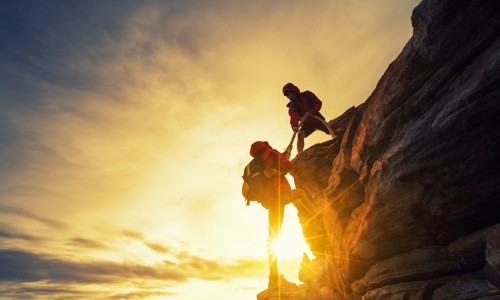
291 243
278 248
287 249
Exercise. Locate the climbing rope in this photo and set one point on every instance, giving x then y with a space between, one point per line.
288 150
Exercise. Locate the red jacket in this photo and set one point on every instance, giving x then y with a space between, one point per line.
305 102
277 183
298 108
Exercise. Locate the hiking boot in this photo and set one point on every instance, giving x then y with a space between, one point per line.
280 282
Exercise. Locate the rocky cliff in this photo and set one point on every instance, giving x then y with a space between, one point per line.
405 202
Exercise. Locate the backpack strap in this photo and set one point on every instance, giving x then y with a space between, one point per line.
248 173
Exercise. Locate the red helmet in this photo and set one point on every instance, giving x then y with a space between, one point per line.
290 87
259 147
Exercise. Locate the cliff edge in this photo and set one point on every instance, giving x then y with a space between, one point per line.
405 203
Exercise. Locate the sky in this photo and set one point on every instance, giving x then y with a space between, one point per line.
125 127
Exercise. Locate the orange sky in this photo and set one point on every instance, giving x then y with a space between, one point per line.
125 127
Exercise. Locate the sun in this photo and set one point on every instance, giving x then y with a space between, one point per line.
279 249
291 243
288 249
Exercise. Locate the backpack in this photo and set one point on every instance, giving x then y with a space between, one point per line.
255 177
310 102
254 180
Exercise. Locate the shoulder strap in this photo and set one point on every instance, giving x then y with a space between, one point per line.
253 168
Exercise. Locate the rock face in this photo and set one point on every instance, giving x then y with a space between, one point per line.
405 203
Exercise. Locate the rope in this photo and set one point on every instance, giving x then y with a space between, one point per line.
288 150
326 124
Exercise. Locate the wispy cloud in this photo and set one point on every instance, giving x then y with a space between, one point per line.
6 232
133 234
155 246
141 295
44 291
158 248
4 209
87 243
23 266
49 291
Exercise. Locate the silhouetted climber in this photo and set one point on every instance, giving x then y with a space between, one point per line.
303 107
275 195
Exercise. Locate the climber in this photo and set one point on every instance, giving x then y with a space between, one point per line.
277 194
304 107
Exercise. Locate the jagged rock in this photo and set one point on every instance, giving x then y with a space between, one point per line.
316 162
493 247
492 268
468 251
425 263
467 287
340 124
416 166
401 291
302 292
407 290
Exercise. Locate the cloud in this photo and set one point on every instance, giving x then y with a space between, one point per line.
29 215
133 234
49 291
6 232
87 243
13 235
50 52
36 47
142 295
158 248
207 269
44 291
23 266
